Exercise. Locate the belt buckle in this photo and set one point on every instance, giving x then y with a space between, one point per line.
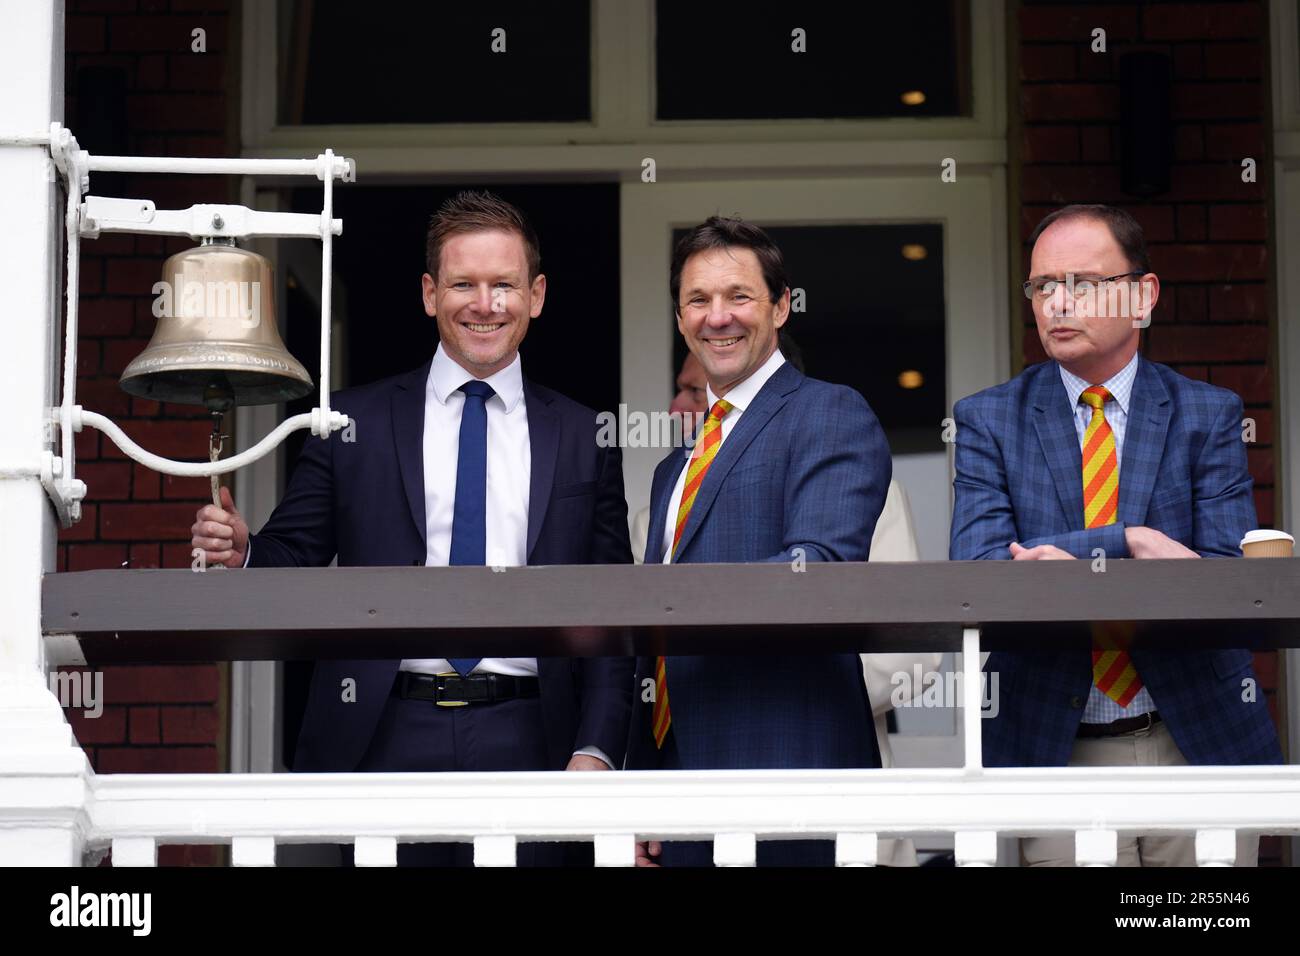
447 703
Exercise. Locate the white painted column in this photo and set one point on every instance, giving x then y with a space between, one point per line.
856 849
1096 848
252 851
375 851
735 849
495 850
615 849
43 773
135 851
1216 847
970 699
976 847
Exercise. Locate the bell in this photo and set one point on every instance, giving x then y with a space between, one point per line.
216 343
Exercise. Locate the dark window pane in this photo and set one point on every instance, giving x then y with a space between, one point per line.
389 62
732 61
873 320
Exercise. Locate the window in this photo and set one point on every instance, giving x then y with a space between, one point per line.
434 63
872 318
906 59
867 183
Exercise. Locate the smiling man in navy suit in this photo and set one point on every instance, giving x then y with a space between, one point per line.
785 468
462 461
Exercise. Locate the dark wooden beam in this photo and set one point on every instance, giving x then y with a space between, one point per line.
303 613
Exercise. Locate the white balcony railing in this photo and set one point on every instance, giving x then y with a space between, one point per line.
840 607
136 813
54 810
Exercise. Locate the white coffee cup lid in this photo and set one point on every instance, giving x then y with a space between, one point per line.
1262 534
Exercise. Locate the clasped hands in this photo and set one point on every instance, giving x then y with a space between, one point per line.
1142 543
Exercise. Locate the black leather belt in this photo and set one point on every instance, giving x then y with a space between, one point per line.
452 690
1125 725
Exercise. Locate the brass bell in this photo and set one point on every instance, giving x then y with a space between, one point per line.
216 343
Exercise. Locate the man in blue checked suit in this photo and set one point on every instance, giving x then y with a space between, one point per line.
783 466
1100 448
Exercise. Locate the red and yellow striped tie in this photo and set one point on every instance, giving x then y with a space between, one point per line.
706 449
1112 670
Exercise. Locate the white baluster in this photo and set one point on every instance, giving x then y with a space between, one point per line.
735 849
1096 848
1216 847
976 847
375 851
855 849
252 851
615 849
135 851
494 850
971 697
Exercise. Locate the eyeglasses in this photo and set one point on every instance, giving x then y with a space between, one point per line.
1078 286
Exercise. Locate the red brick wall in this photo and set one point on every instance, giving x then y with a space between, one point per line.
156 718
1208 236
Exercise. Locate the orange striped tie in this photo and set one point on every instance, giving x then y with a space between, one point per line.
1112 670
706 449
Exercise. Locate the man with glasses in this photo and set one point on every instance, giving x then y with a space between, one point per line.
1101 452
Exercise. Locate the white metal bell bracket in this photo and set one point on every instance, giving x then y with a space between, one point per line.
100 214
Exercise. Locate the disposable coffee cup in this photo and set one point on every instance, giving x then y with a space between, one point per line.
1267 544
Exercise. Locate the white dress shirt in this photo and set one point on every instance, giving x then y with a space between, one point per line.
1101 709
509 460
740 397
509 471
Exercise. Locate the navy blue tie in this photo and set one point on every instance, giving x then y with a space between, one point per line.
469 521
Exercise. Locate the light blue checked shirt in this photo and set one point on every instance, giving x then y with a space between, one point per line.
1100 709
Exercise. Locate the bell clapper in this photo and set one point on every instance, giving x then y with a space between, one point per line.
216 442
219 398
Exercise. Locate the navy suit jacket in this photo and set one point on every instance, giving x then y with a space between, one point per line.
1182 472
806 467
363 501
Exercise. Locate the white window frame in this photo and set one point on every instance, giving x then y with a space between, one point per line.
623 118
894 162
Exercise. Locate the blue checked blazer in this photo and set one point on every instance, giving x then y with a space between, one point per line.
1183 472
806 466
